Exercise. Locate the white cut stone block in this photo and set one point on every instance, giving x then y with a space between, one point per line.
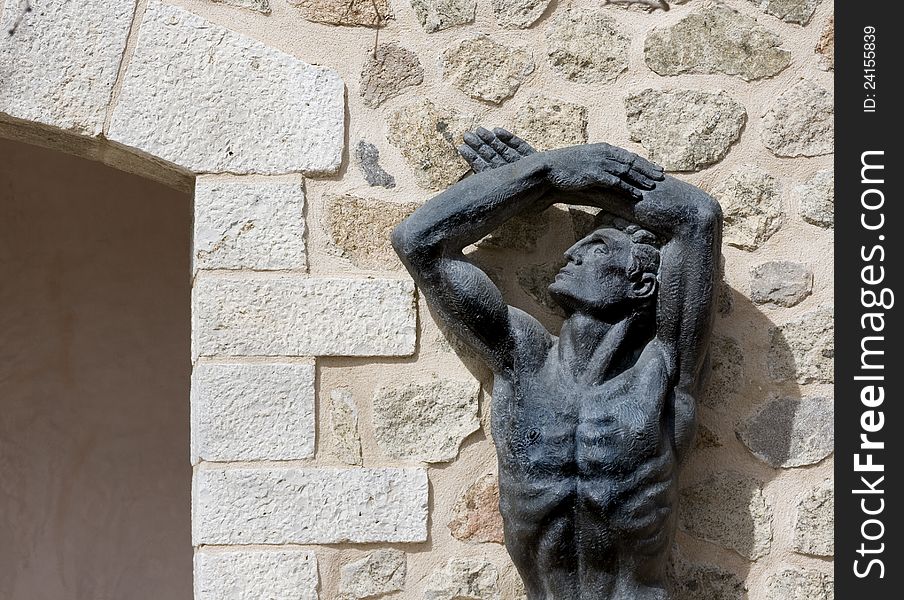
249 224
59 66
296 315
213 101
250 574
265 505
252 412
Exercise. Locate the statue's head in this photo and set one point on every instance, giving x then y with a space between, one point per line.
611 273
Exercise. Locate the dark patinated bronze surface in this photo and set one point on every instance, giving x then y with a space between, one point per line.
590 425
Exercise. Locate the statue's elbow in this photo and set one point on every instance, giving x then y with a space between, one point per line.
708 213
400 240
411 246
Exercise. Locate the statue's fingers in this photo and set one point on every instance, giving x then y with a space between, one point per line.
474 159
622 186
648 168
503 134
484 134
640 179
472 140
615 167
497 160
489 155
635 163
523 148
620 155
513 141
505 151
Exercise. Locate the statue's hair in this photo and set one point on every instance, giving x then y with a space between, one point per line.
645 247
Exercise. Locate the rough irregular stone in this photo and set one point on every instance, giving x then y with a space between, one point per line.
388 72
583 220
718 39
261 6
518 14
643 6
475 516
446 340
780 282
586 46
789 11
790 432
318 505
464 579
725 300
726 376
287 315
249 224
250 574
706 438
60 62
355 13
751 207
360 229
368 158
800 122
803 348
428 137
800 584
535 280
343 423
514 590
814 524
486 70
684 130
728 509
698 581
547 123
825 47
425 421
436 15
250 109
252 412
378 573
816 199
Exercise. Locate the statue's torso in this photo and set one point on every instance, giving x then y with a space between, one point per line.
588 462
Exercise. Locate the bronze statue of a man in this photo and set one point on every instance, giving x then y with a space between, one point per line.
589 426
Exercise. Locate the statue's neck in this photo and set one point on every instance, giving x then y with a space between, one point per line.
594 350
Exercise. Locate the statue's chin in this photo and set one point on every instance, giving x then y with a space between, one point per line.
572 303
562 296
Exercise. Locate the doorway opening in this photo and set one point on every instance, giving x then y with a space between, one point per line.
95 481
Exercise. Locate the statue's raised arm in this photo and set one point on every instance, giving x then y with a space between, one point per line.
589 425
430 241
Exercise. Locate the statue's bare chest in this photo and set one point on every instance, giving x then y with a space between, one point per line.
550 421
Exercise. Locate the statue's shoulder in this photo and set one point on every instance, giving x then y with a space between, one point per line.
658 360
529 333
531 339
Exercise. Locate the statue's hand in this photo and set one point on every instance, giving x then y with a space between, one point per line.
601 166
484 149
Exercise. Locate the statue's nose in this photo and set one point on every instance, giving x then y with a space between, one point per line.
573 254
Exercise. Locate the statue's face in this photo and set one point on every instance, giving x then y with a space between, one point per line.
595 279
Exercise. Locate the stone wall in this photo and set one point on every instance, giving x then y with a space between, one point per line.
340 437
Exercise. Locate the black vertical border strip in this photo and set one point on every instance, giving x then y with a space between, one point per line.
857 132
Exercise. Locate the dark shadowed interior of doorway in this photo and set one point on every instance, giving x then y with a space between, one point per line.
95 480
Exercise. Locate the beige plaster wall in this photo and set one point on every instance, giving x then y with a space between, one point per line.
94 379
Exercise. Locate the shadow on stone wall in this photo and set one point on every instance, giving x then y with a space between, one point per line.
754 420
